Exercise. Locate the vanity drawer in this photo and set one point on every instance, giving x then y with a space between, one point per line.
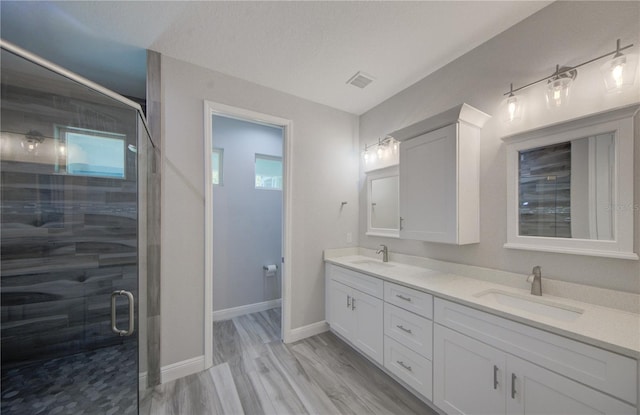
409 299
361 282
411 330
409 366
590 365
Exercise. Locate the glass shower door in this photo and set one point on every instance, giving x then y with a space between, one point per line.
69 216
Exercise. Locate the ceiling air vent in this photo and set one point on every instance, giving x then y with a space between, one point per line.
360 80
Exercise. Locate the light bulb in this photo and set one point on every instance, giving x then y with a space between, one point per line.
512 108
379 151
62 150
617 75
558 91
366 157
619 72
395 147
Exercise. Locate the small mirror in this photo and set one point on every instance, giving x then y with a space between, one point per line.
570 187
382 202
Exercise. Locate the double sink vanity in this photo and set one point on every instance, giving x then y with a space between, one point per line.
470 340
472 345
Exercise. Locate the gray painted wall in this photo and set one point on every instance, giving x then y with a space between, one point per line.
247 222
325 172
565 33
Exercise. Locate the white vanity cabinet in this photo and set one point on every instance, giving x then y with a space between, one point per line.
388 322
355 309
486 364
440 178
408 336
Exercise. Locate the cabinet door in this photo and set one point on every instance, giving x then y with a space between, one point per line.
535 390
468 376
428 186
368 328
342 318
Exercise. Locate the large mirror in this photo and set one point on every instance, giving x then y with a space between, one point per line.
565 190
382 202
571 187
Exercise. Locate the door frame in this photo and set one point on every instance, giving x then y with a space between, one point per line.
215 108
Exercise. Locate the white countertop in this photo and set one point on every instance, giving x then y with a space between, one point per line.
608 328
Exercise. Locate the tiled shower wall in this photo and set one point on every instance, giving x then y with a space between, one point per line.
154 175
67 243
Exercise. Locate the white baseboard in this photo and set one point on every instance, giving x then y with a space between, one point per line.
181 369
229 313
306 331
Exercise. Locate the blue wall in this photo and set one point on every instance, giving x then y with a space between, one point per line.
247 222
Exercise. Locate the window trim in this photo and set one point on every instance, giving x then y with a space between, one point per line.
62 156
220 152
255 174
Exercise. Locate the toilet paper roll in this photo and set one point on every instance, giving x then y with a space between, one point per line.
270 270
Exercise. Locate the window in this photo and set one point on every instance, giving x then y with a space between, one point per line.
83 152
216 166
268 172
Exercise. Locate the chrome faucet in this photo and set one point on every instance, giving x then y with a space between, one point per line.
384 252
536 280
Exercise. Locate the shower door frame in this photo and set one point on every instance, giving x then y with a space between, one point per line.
142 236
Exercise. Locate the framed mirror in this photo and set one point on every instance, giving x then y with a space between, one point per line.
570 187
383 217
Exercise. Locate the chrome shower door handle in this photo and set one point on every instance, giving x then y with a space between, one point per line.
114 328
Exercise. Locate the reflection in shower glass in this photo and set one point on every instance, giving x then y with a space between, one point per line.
94 153
69 217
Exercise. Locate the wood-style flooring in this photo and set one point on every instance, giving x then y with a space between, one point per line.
255 373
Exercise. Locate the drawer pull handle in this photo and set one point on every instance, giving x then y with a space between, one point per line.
402 297
353 303
401 363
513 386
401 327
495 377
348 301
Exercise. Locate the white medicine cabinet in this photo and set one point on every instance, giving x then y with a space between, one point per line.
440 177
570 186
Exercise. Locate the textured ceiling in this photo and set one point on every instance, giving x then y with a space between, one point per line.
308 49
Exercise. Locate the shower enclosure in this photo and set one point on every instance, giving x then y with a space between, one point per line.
73 215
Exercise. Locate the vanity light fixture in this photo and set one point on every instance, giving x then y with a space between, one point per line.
31 141
384 148
618 73
558 86
513 106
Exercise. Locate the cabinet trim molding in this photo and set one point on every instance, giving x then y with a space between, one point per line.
463 112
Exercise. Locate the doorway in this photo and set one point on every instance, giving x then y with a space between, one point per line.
246 218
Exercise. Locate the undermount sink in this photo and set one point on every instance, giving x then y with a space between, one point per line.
535 305
372 262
